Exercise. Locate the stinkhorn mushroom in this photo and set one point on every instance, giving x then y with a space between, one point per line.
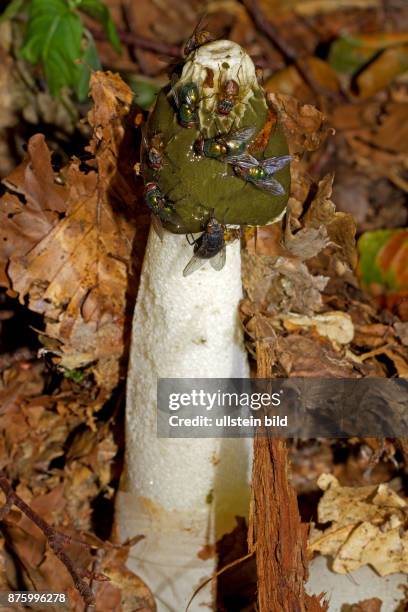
213 156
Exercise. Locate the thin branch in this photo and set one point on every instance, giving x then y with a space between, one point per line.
141 42
288 53
55 539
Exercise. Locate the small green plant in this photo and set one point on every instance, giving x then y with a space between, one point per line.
56 39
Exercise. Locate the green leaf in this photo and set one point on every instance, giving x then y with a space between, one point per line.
53 38
76 375
97 10
145 91
347 55
12 9
90 61
384 258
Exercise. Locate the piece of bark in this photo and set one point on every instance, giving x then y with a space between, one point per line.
276 532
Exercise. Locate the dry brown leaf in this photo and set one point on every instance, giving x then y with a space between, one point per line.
382 71
401 330
26 219
335 325
307 242
341 227
368 605
299 354
289 81
305 127
282 285
395 353
74 258
372 336
39 569
367 527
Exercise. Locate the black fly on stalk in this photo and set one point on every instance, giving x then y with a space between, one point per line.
209 246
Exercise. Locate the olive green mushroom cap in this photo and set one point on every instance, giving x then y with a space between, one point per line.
195 184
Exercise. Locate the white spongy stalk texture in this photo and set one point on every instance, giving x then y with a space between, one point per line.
182 328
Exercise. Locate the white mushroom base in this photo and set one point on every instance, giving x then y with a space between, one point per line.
181 494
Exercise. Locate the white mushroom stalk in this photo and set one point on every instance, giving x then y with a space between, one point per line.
184 494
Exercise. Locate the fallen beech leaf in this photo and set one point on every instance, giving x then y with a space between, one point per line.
337 326
39 569
349 54
402 332
397 355
323 226
372 336
392 134
74 266
304 125
23 225
317 7
341 227
367 527
368 605
307 242
382 71
282 285
288 81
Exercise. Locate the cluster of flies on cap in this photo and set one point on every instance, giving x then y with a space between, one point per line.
228 147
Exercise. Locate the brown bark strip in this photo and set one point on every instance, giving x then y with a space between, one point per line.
275 527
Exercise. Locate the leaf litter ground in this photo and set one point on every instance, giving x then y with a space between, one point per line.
309 307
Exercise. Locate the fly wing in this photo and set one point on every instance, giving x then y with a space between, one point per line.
144 146
244 161
175 219
243 135
272 186
273 164
193 265
173 89
218 261
157 226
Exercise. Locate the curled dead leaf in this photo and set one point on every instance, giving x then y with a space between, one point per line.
68 246
367 527
304 125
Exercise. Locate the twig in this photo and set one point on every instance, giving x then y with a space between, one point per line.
96 566
55 539
141 42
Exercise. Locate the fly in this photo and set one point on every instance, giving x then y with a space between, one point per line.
152 151
209 246
198 38
225 146
260 172
187 99
228 96
162 209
